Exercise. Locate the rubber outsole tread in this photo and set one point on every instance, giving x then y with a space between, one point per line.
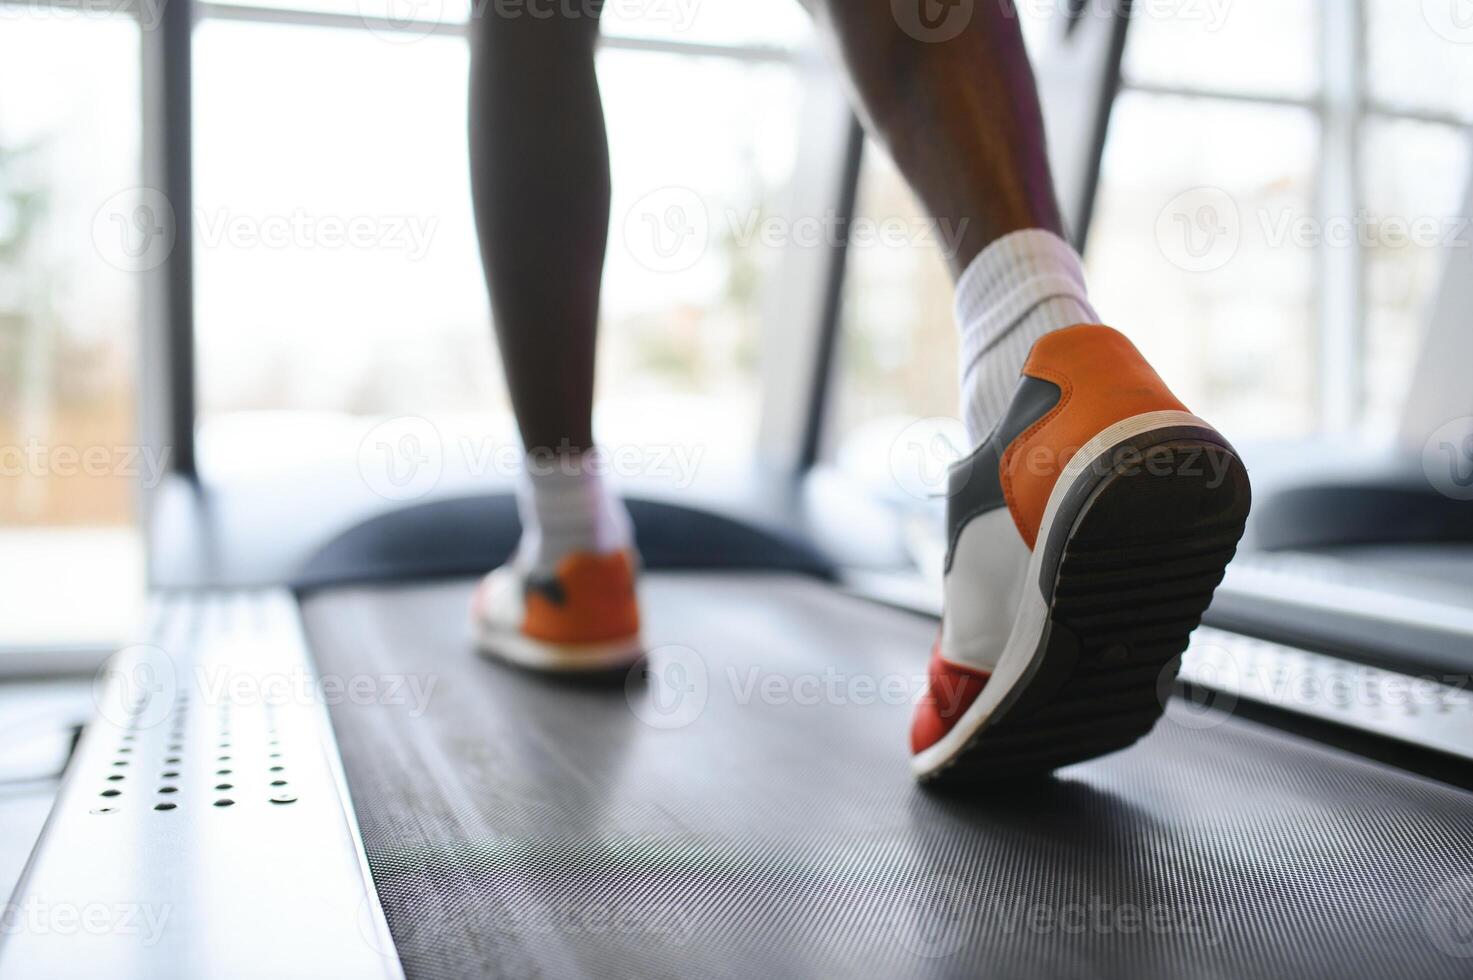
1140 566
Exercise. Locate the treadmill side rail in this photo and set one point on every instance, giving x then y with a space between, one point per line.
1431 711
204 828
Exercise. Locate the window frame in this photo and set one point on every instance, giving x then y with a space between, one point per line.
1343 108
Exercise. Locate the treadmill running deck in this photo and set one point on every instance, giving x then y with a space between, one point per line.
748 811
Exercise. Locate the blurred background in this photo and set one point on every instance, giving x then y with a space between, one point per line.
1303 112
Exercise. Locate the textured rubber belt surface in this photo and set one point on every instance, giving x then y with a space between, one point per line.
524 827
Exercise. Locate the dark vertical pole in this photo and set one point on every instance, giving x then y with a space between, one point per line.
167 399
828 326
1109 90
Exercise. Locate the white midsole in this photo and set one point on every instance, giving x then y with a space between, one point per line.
518 648
1025 644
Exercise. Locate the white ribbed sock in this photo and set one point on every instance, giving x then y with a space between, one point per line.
566 506
1019 288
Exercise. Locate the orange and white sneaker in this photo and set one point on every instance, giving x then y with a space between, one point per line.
1086 536
583 617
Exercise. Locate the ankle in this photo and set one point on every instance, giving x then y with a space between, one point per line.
1021 287
567 507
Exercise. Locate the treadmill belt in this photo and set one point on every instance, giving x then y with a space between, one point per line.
519 826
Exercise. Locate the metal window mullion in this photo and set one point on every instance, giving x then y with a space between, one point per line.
304 17
167 378
1139 86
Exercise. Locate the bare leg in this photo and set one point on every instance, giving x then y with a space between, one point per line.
540 176
960 117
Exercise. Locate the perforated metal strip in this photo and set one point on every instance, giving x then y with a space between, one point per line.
203 828
1434 710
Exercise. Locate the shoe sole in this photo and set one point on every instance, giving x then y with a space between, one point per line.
1129 562
559 658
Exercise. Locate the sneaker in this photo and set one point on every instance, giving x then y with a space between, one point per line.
584 617
1085 538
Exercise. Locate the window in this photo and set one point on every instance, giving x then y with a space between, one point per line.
1299 123
70 555
297 340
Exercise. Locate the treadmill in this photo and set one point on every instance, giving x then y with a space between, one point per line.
302 769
